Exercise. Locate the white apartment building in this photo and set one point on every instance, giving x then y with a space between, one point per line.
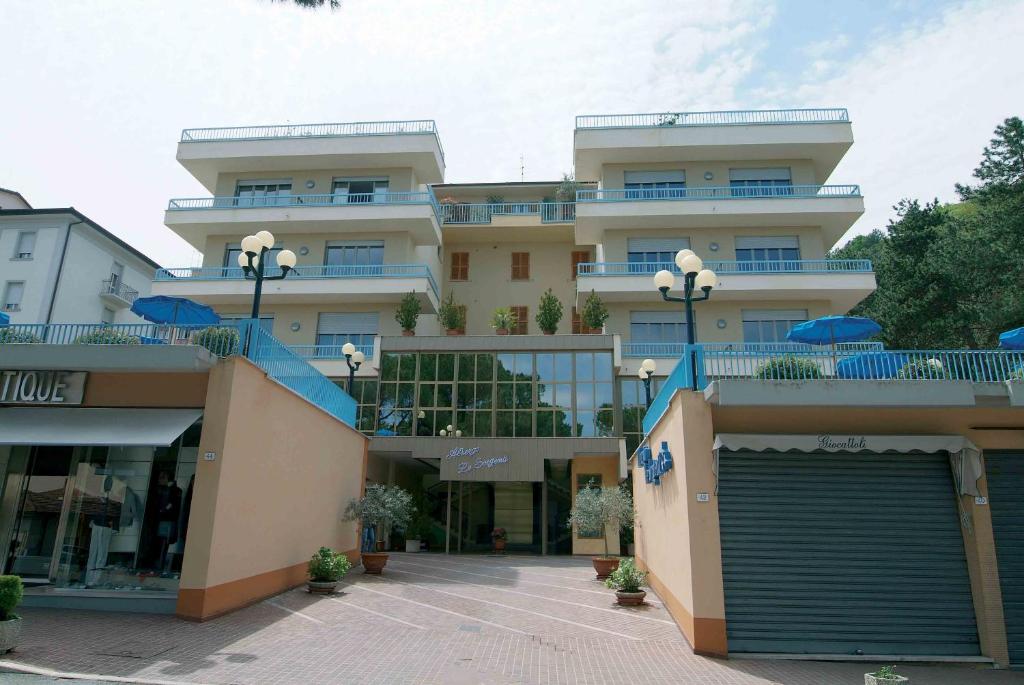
60 266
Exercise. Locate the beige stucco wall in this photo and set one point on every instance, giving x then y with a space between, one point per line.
276 491
608 468
801 170
399 179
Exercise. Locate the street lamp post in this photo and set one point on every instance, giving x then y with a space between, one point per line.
647 369
253 262
694 277
450 432
354 358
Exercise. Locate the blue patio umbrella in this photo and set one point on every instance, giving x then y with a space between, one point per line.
1012 340
871 365
4 319
179 311
829 330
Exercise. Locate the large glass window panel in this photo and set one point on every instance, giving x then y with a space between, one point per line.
446 367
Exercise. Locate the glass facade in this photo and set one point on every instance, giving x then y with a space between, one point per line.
634 406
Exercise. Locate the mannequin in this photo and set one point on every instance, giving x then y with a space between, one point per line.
168 500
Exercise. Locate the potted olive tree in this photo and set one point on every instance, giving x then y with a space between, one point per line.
503 320
382 508
886 675
499 536
326 568
11 591
549 313
596 509
452 316
627 580
408 313
594 314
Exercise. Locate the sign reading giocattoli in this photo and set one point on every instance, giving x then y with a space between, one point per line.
473 463
42 387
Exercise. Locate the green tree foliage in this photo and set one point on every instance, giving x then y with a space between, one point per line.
952 276
314 4
595 508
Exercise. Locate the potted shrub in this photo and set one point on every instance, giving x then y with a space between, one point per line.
627 580
500 538
594 510
886 675
9 335
549 313
451 316
503 320
382 508
11 591
930 369
107 336
566 189
594 314
408 313
788 367
220 340
326 568
417 531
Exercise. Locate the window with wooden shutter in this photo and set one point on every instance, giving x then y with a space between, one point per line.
459 267
577 259
522 315
520 266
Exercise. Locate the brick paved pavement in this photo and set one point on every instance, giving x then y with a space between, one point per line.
429 619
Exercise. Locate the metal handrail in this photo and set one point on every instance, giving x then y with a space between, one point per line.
483 213
676 349
718 193
311 200
327 351
119 289
767 266
824 115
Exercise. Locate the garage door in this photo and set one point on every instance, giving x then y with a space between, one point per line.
1005 474
831 553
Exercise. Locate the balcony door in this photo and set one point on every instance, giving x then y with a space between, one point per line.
768 253
263 193
347 191
354 258
658 333
649 255
333 330
654 185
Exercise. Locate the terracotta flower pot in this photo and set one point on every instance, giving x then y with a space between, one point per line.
630 599
453 331
604 566
10 631
408 334
499 544
501 331
549 332
871 679
317 587
373 562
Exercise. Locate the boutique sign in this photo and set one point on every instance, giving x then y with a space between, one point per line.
491 463
42 387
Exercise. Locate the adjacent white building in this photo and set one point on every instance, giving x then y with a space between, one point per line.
59 266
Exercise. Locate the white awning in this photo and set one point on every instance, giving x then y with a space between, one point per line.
89 426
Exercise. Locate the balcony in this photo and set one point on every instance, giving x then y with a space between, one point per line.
380 283
208 152
820 135
844 282
834 208
415 213
117 294
531 221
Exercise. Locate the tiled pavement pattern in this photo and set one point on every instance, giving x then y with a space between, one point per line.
430 619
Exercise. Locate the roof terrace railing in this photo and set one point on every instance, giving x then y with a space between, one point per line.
331 130
822 115
768 266
783 192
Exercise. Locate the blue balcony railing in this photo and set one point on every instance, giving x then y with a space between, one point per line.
314 200
718 193
316 271
483 213
663 350
825 115
327 351
785 266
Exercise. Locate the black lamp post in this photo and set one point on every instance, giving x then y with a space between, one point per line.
354 358
647 368
694 277
253 261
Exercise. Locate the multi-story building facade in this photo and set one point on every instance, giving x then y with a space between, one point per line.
365 208
60 266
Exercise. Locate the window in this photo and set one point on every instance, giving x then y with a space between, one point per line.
589 480
649 255
577 325
108 316
760 182
347 191
522 314
595 407
634 406
773 253
770 325
520 266
364 392
26 245
361 254
514 397
459 266
334 330
654 185
13 293
262 194
581 257
554 395
658 330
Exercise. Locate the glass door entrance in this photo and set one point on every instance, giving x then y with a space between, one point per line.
40 486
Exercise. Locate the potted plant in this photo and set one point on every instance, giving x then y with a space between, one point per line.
418 531
11 591
408 313
922 368
221 340
382 508
594 510
549 313
326 568
567 187
886 675
594 314
106 336
788 367
500 537
452 316
627 580
503 320
10 335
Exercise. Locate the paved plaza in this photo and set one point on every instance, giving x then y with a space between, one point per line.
430 619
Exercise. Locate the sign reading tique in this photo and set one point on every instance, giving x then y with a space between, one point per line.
42 387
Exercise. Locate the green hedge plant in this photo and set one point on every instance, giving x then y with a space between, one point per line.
11 592
626 577
107 336
930 369
10 335
220 340
328 566
451 315
594 314
550 312
788 367
408 312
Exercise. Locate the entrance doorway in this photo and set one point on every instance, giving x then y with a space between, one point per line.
38 477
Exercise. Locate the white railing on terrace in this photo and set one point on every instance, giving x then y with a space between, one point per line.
824 115
718 193
483 213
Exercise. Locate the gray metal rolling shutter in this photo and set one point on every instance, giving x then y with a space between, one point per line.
833 553
1005 472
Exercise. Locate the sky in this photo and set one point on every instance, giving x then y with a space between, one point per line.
94 93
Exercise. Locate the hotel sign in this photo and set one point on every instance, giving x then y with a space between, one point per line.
42 387
476 463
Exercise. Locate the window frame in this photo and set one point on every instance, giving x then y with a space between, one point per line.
522 314
19 252
8 305
576 261
520 266
458 269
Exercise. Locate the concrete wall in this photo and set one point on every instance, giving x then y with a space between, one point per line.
608 468
276 491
